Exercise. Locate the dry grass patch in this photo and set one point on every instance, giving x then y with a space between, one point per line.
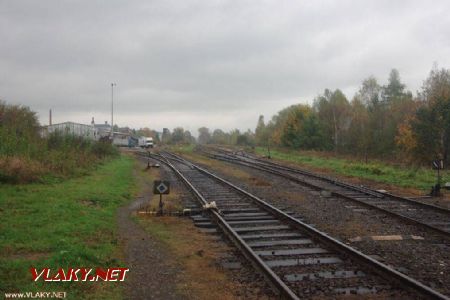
30 256
16 169
145 177
227 169
171 203
259 182
197 253
292 196
349 229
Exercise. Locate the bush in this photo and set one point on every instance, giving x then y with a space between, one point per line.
104 149
26 157
68 154
19 130
20 170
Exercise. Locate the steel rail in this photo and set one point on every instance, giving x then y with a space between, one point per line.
380 268
302 172
368 191
337 194
363 190
274 280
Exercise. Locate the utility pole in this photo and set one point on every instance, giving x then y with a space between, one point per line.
112 110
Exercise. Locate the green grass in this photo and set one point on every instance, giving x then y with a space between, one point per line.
61 225
183 148
409 177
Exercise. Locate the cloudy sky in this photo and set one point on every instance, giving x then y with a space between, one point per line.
209 63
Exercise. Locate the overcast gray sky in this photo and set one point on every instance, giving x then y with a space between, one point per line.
209 63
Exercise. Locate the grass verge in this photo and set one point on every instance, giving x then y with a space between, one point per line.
182 149
62 225
408 177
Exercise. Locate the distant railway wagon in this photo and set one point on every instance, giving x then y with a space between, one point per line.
124 140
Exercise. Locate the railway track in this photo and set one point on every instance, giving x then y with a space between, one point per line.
296 259
414 212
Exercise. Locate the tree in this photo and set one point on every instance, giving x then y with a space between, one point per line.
242 140
382 121
277 125
405 138
398 105
234 136
370 91
166 136
261 133
204 136
357 138
436 89
333 110
395 89
370 96
311 134
292 127
246 139
188 138
178 135
426 135
431 125
219 137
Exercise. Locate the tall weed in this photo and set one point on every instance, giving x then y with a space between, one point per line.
27 157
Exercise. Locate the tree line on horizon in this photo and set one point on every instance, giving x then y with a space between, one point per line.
206 136
380 121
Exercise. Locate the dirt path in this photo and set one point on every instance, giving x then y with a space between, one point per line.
150 276
152 270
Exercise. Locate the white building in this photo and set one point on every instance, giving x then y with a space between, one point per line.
103 130
76 129
93 132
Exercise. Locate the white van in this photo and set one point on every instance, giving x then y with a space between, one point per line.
146 142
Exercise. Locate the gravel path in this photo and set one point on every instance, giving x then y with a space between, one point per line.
150 276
